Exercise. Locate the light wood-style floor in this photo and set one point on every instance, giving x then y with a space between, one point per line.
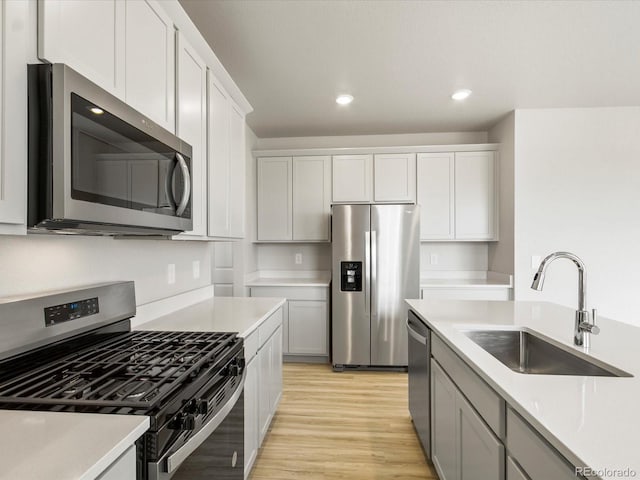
341 426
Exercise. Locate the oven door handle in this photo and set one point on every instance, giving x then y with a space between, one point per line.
175 460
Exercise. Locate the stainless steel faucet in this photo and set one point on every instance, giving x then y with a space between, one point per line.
582 324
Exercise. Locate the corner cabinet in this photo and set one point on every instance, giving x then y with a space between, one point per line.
457 194
226 134
294 198
191 126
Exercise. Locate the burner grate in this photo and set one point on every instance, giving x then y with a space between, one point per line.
135 369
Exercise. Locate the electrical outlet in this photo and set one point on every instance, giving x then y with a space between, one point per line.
298 259
535 262
171 273
433 259
195 265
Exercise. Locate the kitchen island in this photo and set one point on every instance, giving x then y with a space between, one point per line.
591 421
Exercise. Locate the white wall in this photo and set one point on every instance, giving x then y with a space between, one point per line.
37 263
501 253
577 184
442 138
467 256
282 256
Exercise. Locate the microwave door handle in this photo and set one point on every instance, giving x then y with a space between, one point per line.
168 185
186 192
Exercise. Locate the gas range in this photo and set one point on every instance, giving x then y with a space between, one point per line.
188 383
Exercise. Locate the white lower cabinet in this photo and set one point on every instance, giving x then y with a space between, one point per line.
124 468
305 320
263 384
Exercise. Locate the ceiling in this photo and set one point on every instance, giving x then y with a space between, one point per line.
402 59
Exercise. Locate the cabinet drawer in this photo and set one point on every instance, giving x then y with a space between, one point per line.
514 472
487 402
269 326
538 459
251 345
467 293
292 293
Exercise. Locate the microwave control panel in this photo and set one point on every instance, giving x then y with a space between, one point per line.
70 311
351 276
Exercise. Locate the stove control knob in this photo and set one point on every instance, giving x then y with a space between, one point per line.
183 422
234 370
203 407
191 407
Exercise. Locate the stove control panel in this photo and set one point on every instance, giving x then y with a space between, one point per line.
70 311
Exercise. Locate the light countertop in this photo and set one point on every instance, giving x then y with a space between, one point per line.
219 314
466 280
592 421
289 279
63 446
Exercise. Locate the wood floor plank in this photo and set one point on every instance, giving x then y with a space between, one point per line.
341 426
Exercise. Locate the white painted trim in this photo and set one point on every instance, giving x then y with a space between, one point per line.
469 147
153 310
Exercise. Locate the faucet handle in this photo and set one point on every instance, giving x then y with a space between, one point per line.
595 330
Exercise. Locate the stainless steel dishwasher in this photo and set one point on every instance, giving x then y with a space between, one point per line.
419 381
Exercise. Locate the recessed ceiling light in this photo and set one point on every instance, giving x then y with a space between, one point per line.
344 99
461 94
96 110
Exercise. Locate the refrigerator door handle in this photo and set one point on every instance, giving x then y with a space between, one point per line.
374 273
367 264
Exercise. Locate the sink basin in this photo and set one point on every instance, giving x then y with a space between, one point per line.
526 351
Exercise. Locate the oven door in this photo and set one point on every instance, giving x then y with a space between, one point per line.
214 450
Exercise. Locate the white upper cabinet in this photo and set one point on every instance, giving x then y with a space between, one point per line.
13 120
475 195
435 172
191 126
275 199
457 196
88 36
294 198
226 164
311 198
394 178
352 178
150 61
237 179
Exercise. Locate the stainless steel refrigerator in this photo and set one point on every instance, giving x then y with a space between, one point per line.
376 265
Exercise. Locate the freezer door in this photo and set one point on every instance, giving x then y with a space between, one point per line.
350 285
395 275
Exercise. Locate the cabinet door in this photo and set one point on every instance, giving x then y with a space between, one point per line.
275 198
14 39
150 61
394 178
250 416
87 36
308 328
514 472
352 178
237 170
435 183
311 198
124 468
475 195
443 424
264 359
219 168
191 126
275 390
480 453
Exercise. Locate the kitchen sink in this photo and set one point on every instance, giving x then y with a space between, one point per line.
526 351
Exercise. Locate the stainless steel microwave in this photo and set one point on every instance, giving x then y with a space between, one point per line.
97 166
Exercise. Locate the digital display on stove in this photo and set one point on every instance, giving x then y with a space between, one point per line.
70 311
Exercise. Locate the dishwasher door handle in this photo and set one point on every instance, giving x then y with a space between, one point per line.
414 334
